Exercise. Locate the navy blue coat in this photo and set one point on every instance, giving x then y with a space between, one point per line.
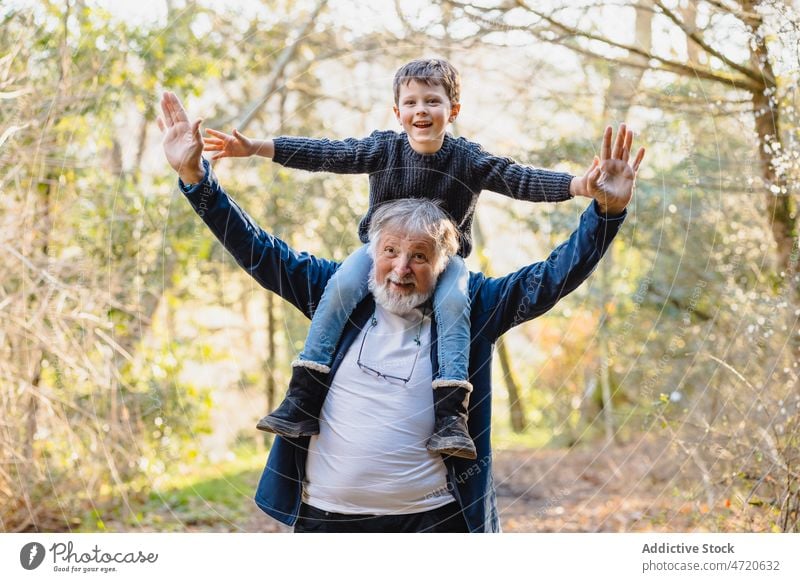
497 305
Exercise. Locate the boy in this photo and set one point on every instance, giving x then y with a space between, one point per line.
423 161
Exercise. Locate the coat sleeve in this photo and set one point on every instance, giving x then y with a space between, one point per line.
504 302
298 277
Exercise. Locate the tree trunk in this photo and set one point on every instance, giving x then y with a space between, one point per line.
622 89
689 14
781 210
516 411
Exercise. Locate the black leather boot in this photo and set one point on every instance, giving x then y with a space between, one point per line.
450 435
298 414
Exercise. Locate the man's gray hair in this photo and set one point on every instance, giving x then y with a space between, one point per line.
416 216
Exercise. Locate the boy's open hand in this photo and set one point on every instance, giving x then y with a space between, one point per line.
228 146
612 177
182 142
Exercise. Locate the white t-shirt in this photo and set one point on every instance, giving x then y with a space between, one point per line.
370 455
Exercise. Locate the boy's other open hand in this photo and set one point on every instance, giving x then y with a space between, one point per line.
226 145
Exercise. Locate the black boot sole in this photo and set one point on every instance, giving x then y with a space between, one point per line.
453 446
288 429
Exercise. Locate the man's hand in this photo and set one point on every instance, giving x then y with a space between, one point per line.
183 144
611 178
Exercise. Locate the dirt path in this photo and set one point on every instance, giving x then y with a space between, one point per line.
592 490
621 489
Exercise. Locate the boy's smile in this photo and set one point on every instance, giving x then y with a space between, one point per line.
424 111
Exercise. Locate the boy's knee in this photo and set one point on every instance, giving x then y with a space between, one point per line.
453 312
453 308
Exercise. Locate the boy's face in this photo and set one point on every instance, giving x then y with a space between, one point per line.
424 111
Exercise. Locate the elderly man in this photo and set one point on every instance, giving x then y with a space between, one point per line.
368 469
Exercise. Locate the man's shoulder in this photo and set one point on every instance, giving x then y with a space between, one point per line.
476 279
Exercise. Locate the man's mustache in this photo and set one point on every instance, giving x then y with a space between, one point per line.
392 278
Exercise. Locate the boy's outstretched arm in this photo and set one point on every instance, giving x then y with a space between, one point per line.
236 145
505 176
348 156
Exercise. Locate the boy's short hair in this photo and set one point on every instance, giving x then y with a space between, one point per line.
430 72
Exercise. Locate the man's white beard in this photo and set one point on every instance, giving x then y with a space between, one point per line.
399 304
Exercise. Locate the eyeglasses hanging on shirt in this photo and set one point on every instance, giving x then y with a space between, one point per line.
370 371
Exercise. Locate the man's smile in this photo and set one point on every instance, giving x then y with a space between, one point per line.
403 284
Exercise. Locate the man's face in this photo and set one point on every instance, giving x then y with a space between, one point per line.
405 271
424 111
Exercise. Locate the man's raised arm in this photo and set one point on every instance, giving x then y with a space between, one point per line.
297 277
529 292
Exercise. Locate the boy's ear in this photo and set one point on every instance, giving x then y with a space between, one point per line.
455 108
396 112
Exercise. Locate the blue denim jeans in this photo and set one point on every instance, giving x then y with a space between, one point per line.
349 285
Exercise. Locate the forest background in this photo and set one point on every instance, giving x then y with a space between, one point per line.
136 356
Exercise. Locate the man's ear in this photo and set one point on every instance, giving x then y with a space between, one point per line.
455 108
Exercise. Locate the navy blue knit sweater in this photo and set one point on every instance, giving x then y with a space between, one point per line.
454 175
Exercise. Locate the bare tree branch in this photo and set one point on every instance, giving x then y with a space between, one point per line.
697 38
667 64
279 66
737 10
569 33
